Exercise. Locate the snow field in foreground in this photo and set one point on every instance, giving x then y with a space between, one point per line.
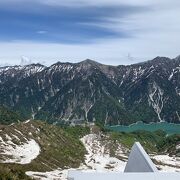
20 154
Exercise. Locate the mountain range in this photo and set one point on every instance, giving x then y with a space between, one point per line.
92 92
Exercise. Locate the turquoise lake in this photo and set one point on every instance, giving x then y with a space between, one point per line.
169 128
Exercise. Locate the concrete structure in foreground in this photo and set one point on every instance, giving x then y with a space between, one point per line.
139 166
139 161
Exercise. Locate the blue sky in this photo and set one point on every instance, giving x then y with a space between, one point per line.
109 31
59 24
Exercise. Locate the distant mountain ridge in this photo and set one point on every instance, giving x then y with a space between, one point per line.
89 91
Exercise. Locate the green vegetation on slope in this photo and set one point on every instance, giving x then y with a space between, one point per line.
12 173
156 142
8 116
59 148
147 139
169 144
77 131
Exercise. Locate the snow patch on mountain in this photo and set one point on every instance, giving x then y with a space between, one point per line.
21 71
20 154
98 158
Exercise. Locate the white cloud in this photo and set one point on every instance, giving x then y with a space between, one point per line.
41 32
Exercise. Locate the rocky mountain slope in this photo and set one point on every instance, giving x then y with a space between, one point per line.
89 91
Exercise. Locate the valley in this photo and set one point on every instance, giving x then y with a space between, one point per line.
87 116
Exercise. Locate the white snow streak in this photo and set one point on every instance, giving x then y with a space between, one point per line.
156 99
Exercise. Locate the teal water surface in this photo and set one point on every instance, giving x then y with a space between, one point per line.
169 128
